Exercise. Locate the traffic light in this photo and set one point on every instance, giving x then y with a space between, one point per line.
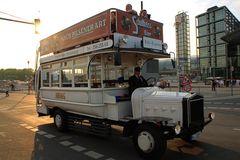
37 25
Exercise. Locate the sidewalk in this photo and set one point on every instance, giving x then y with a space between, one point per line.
206 90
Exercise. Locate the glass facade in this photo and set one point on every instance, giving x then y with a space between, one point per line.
211 26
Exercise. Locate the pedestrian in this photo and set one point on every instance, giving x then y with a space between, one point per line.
7 94
214 83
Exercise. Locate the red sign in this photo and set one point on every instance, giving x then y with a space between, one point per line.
186 83
136 26
90 29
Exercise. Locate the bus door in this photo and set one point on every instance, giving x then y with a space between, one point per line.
38 85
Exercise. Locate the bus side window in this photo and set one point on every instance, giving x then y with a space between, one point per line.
95 72
45 78
55 78
66 77
80 77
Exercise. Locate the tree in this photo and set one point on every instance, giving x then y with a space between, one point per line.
16 74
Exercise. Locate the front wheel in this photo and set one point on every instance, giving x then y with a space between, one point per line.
149 142
60 120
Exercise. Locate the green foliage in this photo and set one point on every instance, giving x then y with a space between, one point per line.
16 74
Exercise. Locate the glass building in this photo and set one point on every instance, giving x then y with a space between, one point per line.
183 42
212 51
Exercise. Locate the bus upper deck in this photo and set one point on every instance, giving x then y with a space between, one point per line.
100 52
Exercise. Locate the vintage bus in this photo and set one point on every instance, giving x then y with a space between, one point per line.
83 81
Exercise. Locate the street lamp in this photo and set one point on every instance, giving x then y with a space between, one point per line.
37 25
28 63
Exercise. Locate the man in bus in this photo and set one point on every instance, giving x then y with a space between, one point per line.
136 80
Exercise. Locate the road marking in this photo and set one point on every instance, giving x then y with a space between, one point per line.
3 109
211 107
229 103
2 134
34 129
29 127
66 143
41 132
217 103
23 124
208 102
236 108
94 155
49 136
236 129
78 148
225 108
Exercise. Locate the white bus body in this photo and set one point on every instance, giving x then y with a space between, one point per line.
88 83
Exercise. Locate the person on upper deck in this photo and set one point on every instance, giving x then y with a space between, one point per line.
130 10
136 81
143 14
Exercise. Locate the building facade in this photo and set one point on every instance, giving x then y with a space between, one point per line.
183 42
212 51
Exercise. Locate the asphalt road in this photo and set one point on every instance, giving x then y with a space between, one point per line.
24 135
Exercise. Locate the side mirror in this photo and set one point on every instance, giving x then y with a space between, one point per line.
117 58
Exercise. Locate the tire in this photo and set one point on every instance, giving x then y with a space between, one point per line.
149 142
60 120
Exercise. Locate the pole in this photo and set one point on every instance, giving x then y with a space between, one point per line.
178 69
231 70
6 19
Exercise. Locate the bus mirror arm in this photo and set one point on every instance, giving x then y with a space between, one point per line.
173 63
117 58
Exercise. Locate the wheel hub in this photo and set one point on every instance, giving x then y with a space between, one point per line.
146 142
58 120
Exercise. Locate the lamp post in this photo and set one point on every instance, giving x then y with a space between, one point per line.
178 70
28 63
36 24
231 76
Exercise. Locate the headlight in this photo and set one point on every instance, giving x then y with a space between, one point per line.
211 115
177 129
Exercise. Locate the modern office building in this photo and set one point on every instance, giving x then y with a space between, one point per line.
233 49
183 42
212 51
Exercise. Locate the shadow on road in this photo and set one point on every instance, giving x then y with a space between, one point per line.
118 148
178 149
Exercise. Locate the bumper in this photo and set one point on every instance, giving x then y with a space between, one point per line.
194 128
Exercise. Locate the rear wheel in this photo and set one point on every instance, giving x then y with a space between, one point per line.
149 142
60 120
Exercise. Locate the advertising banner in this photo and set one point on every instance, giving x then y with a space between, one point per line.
136 26
90 29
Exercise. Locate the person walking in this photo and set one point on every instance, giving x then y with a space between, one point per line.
214 83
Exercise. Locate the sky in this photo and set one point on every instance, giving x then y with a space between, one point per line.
18 42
